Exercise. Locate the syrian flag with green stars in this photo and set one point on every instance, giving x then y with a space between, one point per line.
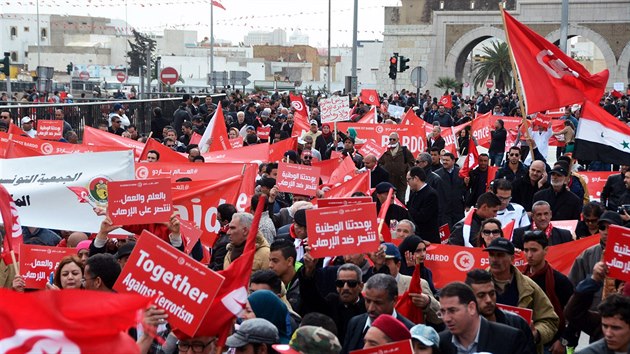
601 137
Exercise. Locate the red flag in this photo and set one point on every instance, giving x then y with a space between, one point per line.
195 139
550 79
492 171
346 168
508 230
382 223
405 306
68 321
327 167
447 101
12 227
166 154
215 137
232 296
370 97
277 150
81 192
298 104
360 183
410 118
15 130
97 137
471 161
218 4
370 117
616 94
300 124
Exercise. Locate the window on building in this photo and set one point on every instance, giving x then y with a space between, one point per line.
25 54
26 29
13 31
14 56
44 33
441 5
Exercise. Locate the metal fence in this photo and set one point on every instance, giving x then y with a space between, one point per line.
80 114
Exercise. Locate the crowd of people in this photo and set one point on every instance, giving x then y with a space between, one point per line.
301 304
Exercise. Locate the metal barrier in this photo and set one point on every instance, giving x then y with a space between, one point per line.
80 114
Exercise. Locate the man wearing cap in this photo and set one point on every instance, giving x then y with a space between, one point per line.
565 205
541 217
425 339
397 161
350 151
515 289
310 339
313 131
308 146
468 332
386 329
254 336
423 205
27 126
119 111
377 173
584 263
394 212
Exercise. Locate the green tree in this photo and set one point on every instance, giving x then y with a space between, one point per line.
494 64
138 53
447 83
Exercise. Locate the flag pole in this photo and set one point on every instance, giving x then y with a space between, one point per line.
517 81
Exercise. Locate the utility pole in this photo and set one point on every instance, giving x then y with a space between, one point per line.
564 26
355 23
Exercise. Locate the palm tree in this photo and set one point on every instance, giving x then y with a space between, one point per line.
447 83
494 64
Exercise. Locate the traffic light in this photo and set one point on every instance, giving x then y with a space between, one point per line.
69 68
6 64
403 63
393 66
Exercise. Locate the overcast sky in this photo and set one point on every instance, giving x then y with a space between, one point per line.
238 18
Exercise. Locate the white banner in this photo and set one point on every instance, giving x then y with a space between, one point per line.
334 109
395 111
39 186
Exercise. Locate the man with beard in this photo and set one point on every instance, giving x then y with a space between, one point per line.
565 205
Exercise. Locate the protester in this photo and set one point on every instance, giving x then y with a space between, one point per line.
541 217
385 329
256 335
425 340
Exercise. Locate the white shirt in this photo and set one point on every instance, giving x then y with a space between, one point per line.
32 133
513 212
542 142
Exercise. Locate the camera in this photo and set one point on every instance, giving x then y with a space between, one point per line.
624 208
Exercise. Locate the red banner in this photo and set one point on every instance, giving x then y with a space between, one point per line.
333 202
28 147
248 154
190 234
359 183
372 148
526 314
402 347
154 270
139 202
277 150
298 179
453 262
337 231
97 137
166 153
568 225
617 252
595 181
38 262
50 129
411 136
215 171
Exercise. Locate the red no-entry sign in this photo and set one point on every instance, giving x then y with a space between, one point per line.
169 76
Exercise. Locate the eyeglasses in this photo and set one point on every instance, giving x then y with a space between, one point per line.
197 347
591 221
494 232
515 154
351 283
84 280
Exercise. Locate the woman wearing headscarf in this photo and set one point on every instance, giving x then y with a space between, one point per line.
265 304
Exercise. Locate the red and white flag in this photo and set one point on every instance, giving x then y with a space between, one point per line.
12 226
218 4
447 101
370 97
97 137
298 104
300 124
370 117
215 137
471 161
550 79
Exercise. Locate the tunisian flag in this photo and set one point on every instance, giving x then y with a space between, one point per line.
68 321
446 101
369 117
297 102
471 161
550 79
601 137
215 137
370 97
12 227
300 124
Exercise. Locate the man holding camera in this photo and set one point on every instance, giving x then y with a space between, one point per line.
624 201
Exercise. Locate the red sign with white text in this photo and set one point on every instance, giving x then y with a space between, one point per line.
402 347
617 252
347 229
445 233
190 234
139 202
236 142
595 182
526 314
195 171
263 132
174 281
372 148
411 136
298 179
37 262
50 129
333 202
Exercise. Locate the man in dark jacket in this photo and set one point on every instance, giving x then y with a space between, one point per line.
541 220
565 205
513 169
613 189
394 212
615 313
377 173
523 190
182 114
477 180
397 160
423 205
455 189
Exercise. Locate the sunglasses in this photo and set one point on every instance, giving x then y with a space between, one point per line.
493 232
515 154
306 157
392 139
351 283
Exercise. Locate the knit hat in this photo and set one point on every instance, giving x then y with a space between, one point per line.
84 245
300 217
392 328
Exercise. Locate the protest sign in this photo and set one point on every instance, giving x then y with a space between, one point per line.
298 179
372 148
216 171
395 111
402 347
526 314
38 262
190 234
411 136
236 142
445 233
334 109
263 132
617 252
140 202
347 229
43 181
175 282
595 182
333 202
50 129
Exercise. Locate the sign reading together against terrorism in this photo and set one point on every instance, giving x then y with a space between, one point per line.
38 262
139 202
617 252
341 230
298 179
174 281
50 129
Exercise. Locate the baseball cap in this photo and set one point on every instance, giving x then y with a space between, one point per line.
118 106
310 339
125 250
300 217
384 187
255 330
426 335
392 328
250 127
559 170
291 154
313 121
501 245
391 251
26 119
611 217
